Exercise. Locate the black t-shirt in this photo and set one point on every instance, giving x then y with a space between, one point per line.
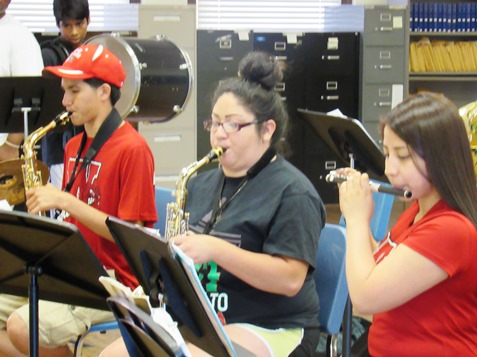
55 52
277 212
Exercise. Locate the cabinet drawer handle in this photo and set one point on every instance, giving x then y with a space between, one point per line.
382 104
330 165
384 29
331 97
226 59
332 85
384 66
280 46
330 58
279 87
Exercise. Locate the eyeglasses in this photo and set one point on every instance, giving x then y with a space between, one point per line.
228 126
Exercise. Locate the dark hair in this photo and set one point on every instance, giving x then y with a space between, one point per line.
115 91
259 72
433 129
70 9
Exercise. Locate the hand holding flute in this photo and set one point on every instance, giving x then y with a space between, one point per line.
335 176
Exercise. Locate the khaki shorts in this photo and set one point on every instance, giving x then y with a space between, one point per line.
280 342
57 323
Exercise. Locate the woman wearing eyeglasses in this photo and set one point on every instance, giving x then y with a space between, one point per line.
255 221
420 282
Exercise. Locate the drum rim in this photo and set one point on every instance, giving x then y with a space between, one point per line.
136 68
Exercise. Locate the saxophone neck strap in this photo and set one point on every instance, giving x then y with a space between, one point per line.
219 205
107 128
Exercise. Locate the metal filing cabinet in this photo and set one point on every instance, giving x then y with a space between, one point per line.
288 49
173 143
332 72
331 82
218 57
384 64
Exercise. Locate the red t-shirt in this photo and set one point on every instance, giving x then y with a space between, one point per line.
442 321
120 182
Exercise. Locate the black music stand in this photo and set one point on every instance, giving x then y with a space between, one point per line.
27 103
350 141
40 252
160 271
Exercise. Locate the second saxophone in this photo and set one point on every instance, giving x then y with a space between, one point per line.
177 220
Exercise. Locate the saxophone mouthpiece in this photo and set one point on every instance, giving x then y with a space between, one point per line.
62 118
215 153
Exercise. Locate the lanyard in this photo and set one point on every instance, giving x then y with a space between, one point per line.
219 206
107 128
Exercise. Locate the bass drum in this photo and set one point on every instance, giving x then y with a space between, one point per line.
158 77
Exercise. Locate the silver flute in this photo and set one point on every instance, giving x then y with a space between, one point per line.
335 177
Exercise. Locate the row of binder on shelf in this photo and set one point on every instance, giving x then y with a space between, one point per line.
442 56
443 17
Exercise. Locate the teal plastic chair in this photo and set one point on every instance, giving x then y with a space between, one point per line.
101 327
163 196
330 281
383 205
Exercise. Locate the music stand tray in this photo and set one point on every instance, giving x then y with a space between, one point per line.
45 259
349 140
160 270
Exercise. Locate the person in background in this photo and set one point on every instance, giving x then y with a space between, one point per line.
254 222
419 282
20 56
116 181
72 18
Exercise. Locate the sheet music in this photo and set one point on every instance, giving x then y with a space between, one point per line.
189 268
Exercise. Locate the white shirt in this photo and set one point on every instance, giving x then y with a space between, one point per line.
20 53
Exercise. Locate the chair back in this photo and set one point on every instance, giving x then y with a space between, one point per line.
163 196
383 204
330 277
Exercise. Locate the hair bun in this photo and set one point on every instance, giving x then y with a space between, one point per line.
260 68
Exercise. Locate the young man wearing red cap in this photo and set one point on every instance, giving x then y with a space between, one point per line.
112 179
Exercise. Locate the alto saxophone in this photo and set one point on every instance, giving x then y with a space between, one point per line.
177 220
32 176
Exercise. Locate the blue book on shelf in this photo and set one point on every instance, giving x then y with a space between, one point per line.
426 17
468 16
453 16
440 17
434 14
446 17
473 17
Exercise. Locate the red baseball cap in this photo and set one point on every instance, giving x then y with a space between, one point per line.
91 61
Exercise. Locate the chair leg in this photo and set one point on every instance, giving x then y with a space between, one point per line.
332 346
78 349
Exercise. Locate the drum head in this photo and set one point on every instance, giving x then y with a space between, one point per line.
158 77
